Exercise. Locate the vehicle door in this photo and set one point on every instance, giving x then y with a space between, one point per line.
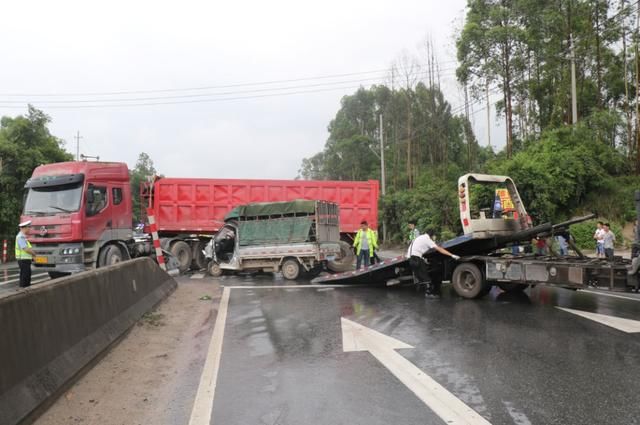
98 221
120 218
226 247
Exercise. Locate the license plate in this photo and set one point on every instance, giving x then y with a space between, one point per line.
41 260
331 257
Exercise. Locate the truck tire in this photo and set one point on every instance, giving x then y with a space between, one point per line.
199 260
111 254
345 263
214 269
468 282
290 269
56 275
513 287
182 252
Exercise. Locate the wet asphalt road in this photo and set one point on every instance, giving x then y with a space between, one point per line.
515 359
10 275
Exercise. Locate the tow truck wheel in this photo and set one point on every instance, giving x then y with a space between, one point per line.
111 254
468 282
182 252
290 269
214 269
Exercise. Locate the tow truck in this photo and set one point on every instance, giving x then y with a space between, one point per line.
495 224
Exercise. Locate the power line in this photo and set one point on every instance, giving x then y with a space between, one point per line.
118 105
200 95
210 87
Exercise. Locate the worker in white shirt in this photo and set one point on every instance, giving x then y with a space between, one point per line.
419 267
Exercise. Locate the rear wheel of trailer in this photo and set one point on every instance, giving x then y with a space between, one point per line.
182 252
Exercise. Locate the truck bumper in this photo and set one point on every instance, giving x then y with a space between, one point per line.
62 258
60 268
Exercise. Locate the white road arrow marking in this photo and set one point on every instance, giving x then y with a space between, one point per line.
448 407
624 325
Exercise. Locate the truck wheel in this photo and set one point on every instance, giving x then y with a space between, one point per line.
347 258
199 260
513 287
214 269
468 282
182 252
111 254
290 269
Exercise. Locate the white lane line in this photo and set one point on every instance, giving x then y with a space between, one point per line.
18 279
203 405
624 325
292 286
588 291
197 276
452 410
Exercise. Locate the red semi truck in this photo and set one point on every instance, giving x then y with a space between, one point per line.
81 212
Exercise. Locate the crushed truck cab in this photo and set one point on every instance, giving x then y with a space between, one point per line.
288 237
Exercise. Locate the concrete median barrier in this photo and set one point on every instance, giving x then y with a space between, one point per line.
51 331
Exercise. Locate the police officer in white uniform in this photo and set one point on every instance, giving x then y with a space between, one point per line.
24 254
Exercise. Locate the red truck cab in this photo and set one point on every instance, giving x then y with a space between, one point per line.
80 213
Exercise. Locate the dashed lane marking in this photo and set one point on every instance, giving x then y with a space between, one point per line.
624 325
589 291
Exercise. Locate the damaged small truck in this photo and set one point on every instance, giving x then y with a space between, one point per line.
289 237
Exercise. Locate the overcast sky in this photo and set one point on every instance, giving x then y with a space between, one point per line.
60 51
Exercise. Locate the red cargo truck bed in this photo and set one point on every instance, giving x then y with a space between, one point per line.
184 205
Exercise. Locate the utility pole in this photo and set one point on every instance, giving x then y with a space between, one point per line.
382 175
488 115
574 100
468 123
78 137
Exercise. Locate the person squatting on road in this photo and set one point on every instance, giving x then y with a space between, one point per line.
419 267
609 239
24 254
365 244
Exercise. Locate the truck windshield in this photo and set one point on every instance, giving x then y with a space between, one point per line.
53 199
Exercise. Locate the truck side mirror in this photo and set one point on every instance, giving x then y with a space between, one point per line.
90 194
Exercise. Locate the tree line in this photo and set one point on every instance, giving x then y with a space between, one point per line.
520 51
25 143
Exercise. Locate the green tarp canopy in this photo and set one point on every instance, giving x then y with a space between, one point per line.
275 231
265 209
274 222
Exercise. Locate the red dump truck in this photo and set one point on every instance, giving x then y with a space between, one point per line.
81 212
189 211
